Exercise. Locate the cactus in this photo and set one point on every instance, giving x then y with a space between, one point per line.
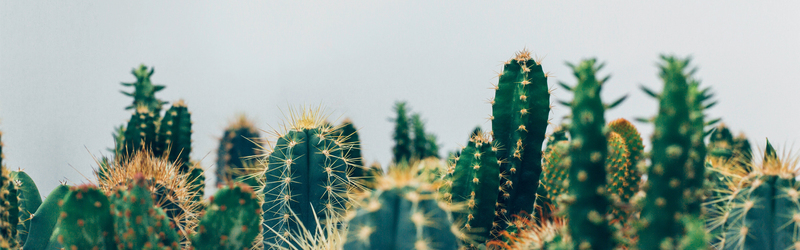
696 167
236 148
423 144
306 174
197 180
43 222
520 112
231 221
144 90
619 182
633 143
402 138
138 223
663 209
352 146
588 150
175 136
141 132
85 220
555 173
550 233
402 213
29 201
475 183
9 210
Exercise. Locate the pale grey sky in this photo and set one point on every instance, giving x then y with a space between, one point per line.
61 64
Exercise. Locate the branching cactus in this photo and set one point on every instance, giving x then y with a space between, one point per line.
520 110
175 136
144 90
141 132
402 213
231 221
44 220
139 224
238 145
475 183
85 220
306 175
661 216
587 202
764 211
29 200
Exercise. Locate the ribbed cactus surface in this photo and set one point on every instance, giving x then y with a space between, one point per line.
475 183
175 136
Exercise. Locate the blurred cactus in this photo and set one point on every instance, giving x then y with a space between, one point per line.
402 213
9 211
29 200
231 221
84 221
619 183
402 136
141 132
555 173
238 145
351 144
43 222
633 143
306 175
138 223
424 144
520 111
175 136
144 90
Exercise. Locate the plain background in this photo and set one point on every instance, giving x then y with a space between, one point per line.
61 64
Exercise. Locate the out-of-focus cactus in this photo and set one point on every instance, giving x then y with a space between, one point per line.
306 175
520 111
555 172
664 203
402 136
696 175
351 144
633 143
9 211
238 145
619 183
587 202
144 90
140 133
475 183
424 144
231 221
85 221
197 178
175 136
29 200
43 222
138 223
402 213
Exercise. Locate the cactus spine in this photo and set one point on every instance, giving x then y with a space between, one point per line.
588 150
231 221
475 183
402 213
306 175
664 203
352 147
29 200
236 148
520 112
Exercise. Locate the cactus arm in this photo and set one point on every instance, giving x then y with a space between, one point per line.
237 145
633 143
29 201
44 220
175 136
476 181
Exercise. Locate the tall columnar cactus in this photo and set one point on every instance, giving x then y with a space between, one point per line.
520 112
663 209
696 168
231 221
587 203
29 200
402 137
475 183
85 220
633 143
43 222
306 175
763 211
138 223
141 132
144 90
402 213
175 136
352 147
238 145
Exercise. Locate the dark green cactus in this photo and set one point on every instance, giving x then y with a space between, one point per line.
144 90
696 169
138 223
475 183
587 203
44 220
402 215
352 146
141 132
721 143
402 137
555 172
175 136
520 112
9 211
664 205
633 143
231 221
238 145
306 176
29 201
85 220
197 178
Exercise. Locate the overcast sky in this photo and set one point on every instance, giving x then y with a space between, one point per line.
61 64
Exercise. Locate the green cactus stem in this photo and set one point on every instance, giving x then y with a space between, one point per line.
141 132
402 136
9 211
138 223
43 222
238 145
663 209
633 143
144 90
352 146
175 136
85 220
619 181
555 173
306 175
696 169
232 220
520 112
29 201
587 203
